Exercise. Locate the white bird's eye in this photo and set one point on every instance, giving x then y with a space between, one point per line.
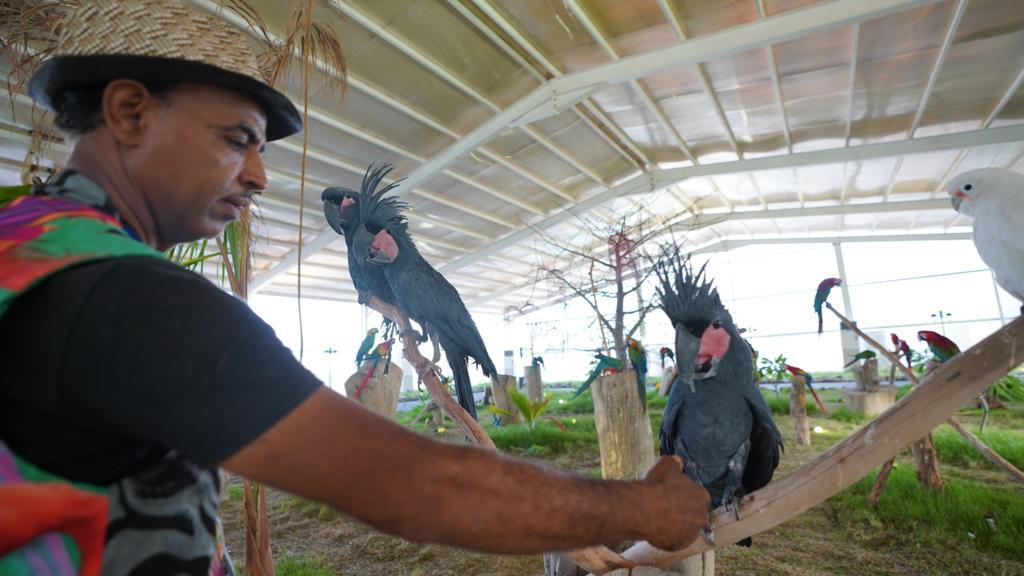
968 187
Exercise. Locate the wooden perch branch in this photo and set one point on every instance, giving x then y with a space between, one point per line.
892 357
940 394
410 348
973 440
589 558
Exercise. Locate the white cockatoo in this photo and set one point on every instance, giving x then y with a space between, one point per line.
994 197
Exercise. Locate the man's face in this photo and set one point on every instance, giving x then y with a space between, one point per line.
199 161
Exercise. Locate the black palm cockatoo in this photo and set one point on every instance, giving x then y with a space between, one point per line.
382 239
715 417
341 208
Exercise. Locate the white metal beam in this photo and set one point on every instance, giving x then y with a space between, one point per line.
737 39
727 243
854 50
734 40
666 177
773 71
702 75
947 42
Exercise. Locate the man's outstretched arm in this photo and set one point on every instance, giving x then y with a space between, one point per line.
332 450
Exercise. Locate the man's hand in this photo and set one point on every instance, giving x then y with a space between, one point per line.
678 505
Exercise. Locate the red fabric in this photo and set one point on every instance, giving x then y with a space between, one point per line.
29 510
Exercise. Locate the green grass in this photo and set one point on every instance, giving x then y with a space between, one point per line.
903 390
309 508
937 518
235 493
952 448
290 565
563 404
780 405
844 414
545 439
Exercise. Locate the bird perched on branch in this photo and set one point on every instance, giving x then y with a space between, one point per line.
821 296
341 208
902 348
994 197
808 380
715 417
366 345
638 358
942 348
666 352
603 365
381 352
862 355
382 239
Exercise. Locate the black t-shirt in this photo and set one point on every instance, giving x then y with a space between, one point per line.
108 365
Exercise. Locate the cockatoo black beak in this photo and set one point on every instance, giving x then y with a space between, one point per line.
957 200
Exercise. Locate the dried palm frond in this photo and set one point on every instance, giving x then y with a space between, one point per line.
28 35
312 41
249 15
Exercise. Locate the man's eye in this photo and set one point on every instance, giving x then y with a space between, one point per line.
238 144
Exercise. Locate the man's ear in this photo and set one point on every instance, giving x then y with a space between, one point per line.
127 105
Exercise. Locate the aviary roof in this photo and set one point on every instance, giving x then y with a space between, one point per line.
763 119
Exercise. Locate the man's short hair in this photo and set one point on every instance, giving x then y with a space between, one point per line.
80 110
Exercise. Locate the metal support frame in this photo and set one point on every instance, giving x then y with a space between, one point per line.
727 243
667 177
764 32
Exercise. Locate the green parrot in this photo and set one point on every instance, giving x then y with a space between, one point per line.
366 346
638 358
865 355
604 363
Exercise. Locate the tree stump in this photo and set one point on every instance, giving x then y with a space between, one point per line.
798 411
667 378
925 458
623 428
534 384
866 375
503 400
382 390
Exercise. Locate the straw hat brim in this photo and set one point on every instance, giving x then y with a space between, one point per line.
61 73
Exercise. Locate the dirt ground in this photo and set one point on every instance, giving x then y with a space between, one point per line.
814 543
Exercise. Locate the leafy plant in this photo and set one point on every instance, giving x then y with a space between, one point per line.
1009 389
532 411
772 370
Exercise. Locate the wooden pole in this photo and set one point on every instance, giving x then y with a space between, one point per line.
939 395
990 454
410 348
534 383
926 460
503 399
798 411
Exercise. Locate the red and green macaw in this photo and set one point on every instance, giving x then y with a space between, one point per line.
638 358
666 352
808 379
604 365
381 352
821 296
862 355
366 345
943 348
902 348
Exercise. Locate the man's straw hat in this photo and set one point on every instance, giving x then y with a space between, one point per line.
157 40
